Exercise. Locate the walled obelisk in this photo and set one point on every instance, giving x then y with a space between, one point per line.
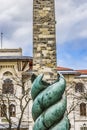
44 39
49 101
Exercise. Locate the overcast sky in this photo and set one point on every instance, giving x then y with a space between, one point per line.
71 29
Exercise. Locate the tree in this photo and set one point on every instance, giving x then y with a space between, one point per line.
76 91
15 93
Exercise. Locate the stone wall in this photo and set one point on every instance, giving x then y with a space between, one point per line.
44 41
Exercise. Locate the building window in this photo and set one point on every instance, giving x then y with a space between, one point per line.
3 110
7 87
79 87
30 65
83 128
82 109
12 110
7 73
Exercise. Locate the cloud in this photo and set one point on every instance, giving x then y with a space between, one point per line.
71 20
16 23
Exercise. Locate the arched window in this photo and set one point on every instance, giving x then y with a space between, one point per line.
3 110
7 73
12 110
7 87
79 87
82 109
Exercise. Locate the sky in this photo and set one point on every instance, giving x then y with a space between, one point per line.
71 29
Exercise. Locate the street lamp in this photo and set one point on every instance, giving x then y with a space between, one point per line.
84 126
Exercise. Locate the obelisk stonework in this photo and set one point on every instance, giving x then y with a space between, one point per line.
44 39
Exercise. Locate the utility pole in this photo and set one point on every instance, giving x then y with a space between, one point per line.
1 39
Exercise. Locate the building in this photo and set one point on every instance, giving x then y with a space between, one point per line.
76 91
15 100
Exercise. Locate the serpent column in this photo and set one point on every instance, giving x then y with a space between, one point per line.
49 102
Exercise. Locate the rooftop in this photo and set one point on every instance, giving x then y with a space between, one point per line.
2 58
12 54
11 50
80 73
63 69
83 72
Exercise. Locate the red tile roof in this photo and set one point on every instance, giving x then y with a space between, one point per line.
63 69
84 72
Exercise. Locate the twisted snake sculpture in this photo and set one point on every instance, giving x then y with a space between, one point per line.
49 104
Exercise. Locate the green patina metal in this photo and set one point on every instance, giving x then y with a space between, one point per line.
49 104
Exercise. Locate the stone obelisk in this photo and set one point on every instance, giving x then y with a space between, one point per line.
44 39
49 101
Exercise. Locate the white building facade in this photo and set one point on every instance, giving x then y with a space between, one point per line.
76 91
15 83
